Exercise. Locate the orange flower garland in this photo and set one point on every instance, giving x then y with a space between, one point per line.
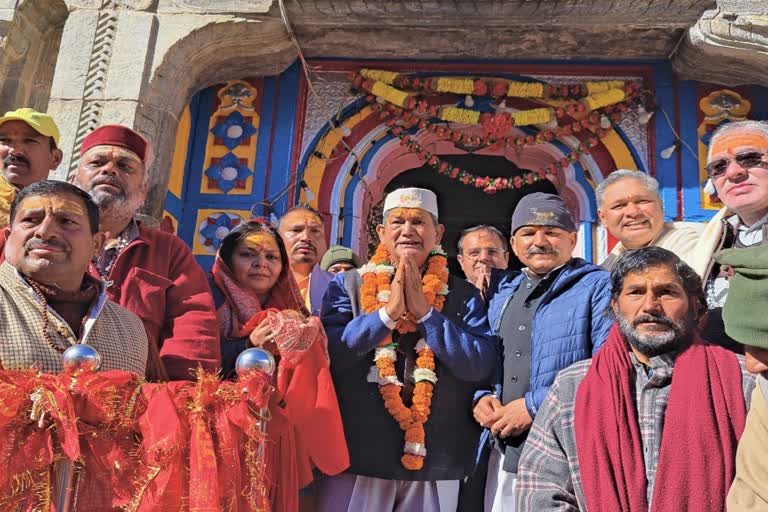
375 293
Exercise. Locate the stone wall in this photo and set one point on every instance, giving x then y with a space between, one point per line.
30 32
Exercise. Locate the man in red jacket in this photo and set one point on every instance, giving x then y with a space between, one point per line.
148 271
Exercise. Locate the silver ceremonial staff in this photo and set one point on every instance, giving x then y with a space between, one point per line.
256 359
86 359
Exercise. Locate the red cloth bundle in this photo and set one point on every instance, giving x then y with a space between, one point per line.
171 446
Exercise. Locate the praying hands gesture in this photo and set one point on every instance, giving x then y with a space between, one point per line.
483 280
407 294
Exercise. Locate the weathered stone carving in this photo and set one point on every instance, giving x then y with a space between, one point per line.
727 46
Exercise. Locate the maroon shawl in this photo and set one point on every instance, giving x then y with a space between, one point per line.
703 422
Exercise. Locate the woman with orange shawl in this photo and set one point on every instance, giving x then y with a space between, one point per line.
258 304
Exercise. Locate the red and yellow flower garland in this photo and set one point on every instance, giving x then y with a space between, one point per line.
584 111
374 293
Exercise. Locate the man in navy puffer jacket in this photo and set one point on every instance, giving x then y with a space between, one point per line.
547 317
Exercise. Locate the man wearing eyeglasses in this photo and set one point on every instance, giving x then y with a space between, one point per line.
482 248
737 165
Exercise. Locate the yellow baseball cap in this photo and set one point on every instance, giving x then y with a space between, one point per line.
40 122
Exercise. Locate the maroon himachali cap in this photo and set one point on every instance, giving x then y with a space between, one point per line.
120 136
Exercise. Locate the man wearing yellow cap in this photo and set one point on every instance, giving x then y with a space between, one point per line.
28 152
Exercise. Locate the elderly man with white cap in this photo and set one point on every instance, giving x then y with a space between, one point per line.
409 344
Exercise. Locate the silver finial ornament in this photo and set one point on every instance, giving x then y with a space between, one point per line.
254 359
81 357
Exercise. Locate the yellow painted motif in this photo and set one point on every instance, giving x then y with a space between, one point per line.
619 151
313 172
176 178
242 103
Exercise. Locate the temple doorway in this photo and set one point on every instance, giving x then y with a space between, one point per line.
462 206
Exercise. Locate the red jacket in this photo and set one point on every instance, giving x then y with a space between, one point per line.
158 279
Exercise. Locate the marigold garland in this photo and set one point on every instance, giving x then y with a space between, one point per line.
525 90
377 276
587 113
455 85
389 93
604 85
533 116
460 115
603 99
380 75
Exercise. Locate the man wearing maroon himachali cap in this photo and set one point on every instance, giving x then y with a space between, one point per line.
148 271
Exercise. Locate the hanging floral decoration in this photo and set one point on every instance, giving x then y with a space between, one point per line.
585 111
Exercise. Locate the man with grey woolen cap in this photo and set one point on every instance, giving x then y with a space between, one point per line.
547 317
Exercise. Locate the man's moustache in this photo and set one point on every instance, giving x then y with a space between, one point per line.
539 250
107 181
659 319
37 243
304 245
15 160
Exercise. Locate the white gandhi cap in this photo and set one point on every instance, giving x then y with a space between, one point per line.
412 198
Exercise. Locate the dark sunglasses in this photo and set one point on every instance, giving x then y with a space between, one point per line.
745 160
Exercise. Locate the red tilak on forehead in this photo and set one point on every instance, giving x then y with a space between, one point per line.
409 213
729 142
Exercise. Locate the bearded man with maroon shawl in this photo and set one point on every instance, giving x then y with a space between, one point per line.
653 420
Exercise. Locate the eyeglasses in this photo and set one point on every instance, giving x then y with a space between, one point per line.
745 160
475 254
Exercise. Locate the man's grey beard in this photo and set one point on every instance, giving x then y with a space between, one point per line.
653 344
115 206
